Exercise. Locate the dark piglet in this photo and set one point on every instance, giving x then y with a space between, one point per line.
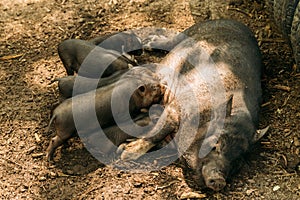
66 84
85 113
92 60
214 60
118 134
123 42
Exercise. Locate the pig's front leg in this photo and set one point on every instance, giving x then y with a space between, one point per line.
160 42
167 124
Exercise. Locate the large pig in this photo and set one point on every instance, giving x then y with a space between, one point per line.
87 112
212 99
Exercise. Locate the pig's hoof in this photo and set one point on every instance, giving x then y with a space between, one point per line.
49 157
121 148
136 149
154 42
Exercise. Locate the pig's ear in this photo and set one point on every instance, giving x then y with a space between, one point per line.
260 133
229 106
142 90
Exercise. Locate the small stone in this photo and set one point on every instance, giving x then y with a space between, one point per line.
126 191
155 173
192 195
37 137
275 188
115 191
248 192
147 190
296 142
52 174
70 172
286 130
24 188
137 184
251 181
42 178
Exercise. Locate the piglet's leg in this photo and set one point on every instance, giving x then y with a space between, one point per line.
54 143
62 135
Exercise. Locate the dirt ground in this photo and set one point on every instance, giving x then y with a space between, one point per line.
30 31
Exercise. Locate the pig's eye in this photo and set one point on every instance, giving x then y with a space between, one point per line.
142 88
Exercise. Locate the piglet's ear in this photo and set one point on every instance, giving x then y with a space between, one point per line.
142 91
229 106
260 133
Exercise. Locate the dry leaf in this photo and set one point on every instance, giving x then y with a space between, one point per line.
11 57
192 195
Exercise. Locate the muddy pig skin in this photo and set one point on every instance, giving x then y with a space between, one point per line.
93 60
94 109
66 84
212 101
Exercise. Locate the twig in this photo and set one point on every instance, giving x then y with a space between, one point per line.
265 104
22 56
30 150
282 87
273 40
241 11
12 162
287 134
11 57
60 28
88 191
165 186
285 160
285 101
37 155
265 143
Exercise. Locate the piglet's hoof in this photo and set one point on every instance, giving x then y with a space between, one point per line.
136 149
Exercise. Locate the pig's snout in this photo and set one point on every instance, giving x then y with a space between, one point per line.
213 177
216 183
